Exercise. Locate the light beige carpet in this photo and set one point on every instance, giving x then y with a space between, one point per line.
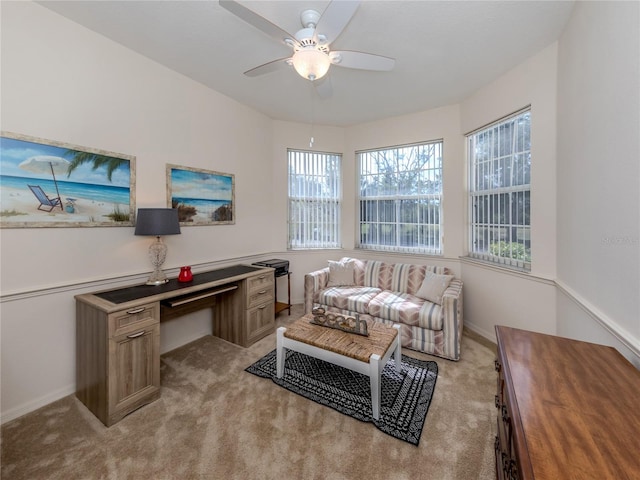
216 421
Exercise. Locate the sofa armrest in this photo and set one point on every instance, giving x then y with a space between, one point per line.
314 282
452 321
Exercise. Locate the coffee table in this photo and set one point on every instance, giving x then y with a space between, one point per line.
366 355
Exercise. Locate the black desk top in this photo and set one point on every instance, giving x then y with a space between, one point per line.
127 294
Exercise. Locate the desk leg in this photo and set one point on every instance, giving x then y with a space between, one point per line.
289 291
280 306
275 294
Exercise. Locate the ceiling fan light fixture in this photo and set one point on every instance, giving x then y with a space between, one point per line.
311 63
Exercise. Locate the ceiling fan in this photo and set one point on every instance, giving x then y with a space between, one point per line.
312 55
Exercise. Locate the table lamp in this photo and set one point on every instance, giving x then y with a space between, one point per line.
158 222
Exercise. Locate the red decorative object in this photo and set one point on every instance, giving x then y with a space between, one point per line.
185 274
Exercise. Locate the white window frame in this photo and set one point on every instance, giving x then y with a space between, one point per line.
500 191
414 223
314 199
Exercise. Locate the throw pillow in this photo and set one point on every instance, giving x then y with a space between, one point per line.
341 274
433 287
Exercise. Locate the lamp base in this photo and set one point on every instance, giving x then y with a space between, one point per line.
157 254
157 277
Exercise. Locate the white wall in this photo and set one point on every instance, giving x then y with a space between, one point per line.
598 204
495 296
62 82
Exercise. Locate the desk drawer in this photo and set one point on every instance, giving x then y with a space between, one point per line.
260 282
133 318
260 297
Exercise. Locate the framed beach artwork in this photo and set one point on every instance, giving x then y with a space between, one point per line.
202 197
45 183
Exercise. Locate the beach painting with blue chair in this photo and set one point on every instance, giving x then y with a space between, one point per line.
44 183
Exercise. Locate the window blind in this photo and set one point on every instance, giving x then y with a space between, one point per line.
314 199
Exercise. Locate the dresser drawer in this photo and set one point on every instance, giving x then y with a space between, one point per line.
134 318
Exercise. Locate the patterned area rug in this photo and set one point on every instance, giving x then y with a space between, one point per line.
405 396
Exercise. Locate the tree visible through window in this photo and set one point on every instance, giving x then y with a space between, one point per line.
500 191
314 199
401 198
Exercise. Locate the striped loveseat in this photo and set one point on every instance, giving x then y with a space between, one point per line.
387 293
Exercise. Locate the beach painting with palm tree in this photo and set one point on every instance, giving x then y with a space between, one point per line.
202 197
45 183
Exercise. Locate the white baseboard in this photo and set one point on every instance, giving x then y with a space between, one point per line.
35 404
489 335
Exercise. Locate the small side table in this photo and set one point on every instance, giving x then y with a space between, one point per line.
280 306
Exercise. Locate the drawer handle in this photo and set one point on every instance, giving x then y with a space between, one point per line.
136 310
513 470
262 276
262 307
497 365
505 463
136 335
262 292
505 414
497 402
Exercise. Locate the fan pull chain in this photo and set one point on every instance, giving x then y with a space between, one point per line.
312 139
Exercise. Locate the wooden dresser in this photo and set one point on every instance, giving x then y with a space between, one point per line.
566 410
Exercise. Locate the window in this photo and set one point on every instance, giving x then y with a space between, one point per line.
401 198
314 199
499 202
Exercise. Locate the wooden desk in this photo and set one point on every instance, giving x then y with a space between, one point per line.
118 331
566 409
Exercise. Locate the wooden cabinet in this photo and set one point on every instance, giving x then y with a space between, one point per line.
259 319
565 409
117 359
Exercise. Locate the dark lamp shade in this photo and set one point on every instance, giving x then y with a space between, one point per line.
157 221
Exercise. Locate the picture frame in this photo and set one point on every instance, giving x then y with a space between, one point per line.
47 183
202 197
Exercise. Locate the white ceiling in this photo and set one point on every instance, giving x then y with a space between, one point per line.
444 50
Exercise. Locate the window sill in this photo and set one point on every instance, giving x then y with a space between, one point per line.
516 272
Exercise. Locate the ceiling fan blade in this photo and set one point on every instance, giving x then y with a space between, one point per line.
361 60
269 67
259 22
334 19
323 87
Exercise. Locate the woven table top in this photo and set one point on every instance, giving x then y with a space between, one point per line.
344 343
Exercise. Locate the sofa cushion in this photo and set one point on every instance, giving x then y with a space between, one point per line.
359 267
341 273
406 308
354 299
378 274
433 287
398 277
